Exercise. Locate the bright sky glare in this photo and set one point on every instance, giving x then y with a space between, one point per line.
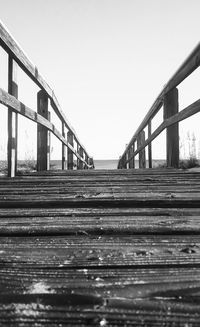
107 60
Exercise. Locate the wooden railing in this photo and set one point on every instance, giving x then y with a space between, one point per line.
168 101
16 57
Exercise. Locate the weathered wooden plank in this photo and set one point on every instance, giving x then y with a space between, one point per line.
85 212
136 173
152 199
51 310
51 177
127 283
60 224
86 251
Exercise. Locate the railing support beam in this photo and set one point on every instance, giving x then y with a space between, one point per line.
12 119
43 136
142 154
170 109
70 156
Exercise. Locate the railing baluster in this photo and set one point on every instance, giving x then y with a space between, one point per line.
48 143
142 154
12 119
63 148
43 137
170 109
131 161
87 160
149 146
80 163
70 156
91 161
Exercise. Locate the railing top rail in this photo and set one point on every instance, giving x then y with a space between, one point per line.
8 43
188 66
10 101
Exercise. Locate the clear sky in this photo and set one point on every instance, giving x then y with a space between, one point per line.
107 60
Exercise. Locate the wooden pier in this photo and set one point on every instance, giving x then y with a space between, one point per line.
100 248
86 247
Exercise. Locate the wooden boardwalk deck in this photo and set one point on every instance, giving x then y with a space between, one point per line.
100 248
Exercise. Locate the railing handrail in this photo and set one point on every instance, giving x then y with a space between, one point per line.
16 105
11 47
187 67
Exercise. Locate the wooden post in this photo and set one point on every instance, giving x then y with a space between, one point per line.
63 148
119 163
133 160
80 163
48 143
86 159
142 155
123 159
170 109
130 154
70 155
12 119
43 141
91 162
149 146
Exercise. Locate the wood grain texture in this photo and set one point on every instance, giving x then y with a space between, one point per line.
86 251
102 263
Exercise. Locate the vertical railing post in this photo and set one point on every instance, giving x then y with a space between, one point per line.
149 146
86 159
80 152
12 119
70 155
91 162
130 154
133 160
63 148
48 143
170 109
122 162
43 136
124 165
142 155
119 163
